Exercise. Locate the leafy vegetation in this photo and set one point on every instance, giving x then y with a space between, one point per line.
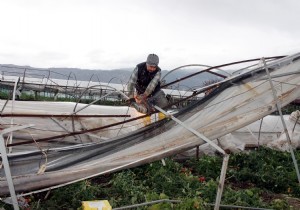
30 96
264 178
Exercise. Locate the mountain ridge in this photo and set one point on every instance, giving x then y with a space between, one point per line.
118 76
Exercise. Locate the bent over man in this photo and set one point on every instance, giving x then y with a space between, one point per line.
144 85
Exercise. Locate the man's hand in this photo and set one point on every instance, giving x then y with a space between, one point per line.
140 98
130 100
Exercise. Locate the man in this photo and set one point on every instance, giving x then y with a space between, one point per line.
145 80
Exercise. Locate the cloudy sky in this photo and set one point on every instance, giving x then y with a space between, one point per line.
111 34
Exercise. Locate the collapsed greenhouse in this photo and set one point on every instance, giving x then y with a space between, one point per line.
51 144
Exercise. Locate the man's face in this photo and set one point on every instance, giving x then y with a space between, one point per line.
151 68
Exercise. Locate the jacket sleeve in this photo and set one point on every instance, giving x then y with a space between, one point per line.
132 82
153 84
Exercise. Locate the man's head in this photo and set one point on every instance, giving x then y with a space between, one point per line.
152 62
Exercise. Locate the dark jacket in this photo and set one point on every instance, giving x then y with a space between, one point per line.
144 78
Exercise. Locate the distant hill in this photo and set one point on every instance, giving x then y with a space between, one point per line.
119 76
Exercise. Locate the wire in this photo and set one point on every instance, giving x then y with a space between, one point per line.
197 109
123 121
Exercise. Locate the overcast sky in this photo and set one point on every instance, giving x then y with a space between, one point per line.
111 34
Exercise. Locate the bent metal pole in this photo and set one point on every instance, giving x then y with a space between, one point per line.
201 136
282 120
6 163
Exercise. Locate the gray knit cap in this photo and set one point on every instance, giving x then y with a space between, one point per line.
152 60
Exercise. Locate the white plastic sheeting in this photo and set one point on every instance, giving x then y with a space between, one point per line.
237 102
52 126
267 131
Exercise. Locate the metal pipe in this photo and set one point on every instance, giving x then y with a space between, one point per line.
219 66
147 203
128 165
6 164
62 115
12 109
225 156
179 201
239 207
295 124
282 120
280 75
115 91
201 136
221 181
258 139
76 132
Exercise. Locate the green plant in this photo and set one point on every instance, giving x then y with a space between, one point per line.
280 204
193 182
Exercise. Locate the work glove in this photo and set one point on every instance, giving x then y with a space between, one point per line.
141 98
130 101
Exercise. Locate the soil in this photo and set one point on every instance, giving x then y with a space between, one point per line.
268 197
293 202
